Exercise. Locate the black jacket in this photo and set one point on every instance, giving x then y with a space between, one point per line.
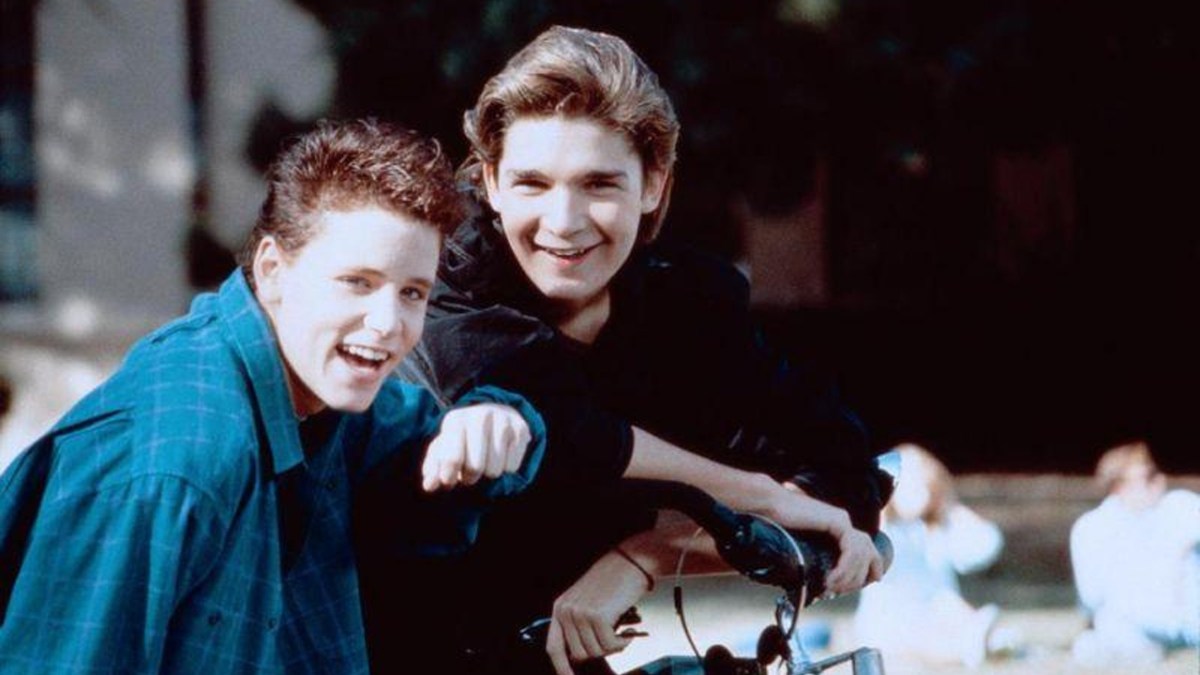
678 357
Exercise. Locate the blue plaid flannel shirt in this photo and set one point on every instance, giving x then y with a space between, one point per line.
143 533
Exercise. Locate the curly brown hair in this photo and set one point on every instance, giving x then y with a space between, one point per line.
356 163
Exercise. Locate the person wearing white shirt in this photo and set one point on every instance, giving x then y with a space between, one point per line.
917 611
1136 560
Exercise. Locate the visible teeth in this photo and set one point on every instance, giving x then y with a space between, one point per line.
565 252
367 353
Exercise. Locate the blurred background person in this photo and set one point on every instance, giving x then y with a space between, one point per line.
1136 559
917 612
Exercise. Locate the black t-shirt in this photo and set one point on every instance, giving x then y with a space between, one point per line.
678 357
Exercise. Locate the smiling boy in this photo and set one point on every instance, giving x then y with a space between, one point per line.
643 359
193 513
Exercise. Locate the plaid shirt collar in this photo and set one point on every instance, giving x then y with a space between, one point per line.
250 332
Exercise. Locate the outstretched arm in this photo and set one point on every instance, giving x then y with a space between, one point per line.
491 434
858 562
482 440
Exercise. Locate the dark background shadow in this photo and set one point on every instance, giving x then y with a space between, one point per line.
1013 257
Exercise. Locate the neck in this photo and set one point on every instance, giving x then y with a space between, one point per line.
584 322
304 402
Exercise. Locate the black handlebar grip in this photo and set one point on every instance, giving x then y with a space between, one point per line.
752 545
820 551
767 554
719 660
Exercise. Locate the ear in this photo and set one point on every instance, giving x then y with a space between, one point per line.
268 267
652 190
491 185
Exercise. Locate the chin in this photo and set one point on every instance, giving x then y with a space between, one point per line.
352 402
568 293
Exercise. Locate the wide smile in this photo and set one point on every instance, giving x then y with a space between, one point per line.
364 359
566 254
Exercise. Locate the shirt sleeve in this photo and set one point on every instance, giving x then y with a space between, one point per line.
102 572
502 348
1089 560
394 516
589 444
791 420
973 543
513 482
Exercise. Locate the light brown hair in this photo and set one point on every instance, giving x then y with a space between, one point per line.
574 72
1115 463
937 480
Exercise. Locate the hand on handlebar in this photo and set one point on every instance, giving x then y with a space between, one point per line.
858 563
583 625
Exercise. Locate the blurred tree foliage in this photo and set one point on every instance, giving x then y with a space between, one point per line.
748 83
907 101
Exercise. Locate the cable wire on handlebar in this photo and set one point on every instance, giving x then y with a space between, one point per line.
802 600
802 585
677 592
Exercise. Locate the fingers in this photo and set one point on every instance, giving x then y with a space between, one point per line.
556 648
501 435
850 572
836 581
478 437
580 640
511 438
876 571
520 443
858 564
848 579
478 441
577 645
585 631
849 565
442 463
585 617
448 454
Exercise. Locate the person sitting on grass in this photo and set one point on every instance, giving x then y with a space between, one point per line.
917 611
1137 563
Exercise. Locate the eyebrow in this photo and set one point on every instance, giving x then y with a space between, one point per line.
616 174
371 271
521 174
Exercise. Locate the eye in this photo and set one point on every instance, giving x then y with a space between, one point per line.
602 184
355 282
414 293
528 185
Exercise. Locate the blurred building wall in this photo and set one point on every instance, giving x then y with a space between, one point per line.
118 164
114 159
266 54
787 255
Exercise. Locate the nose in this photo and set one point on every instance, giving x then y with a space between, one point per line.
564 216
383 314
